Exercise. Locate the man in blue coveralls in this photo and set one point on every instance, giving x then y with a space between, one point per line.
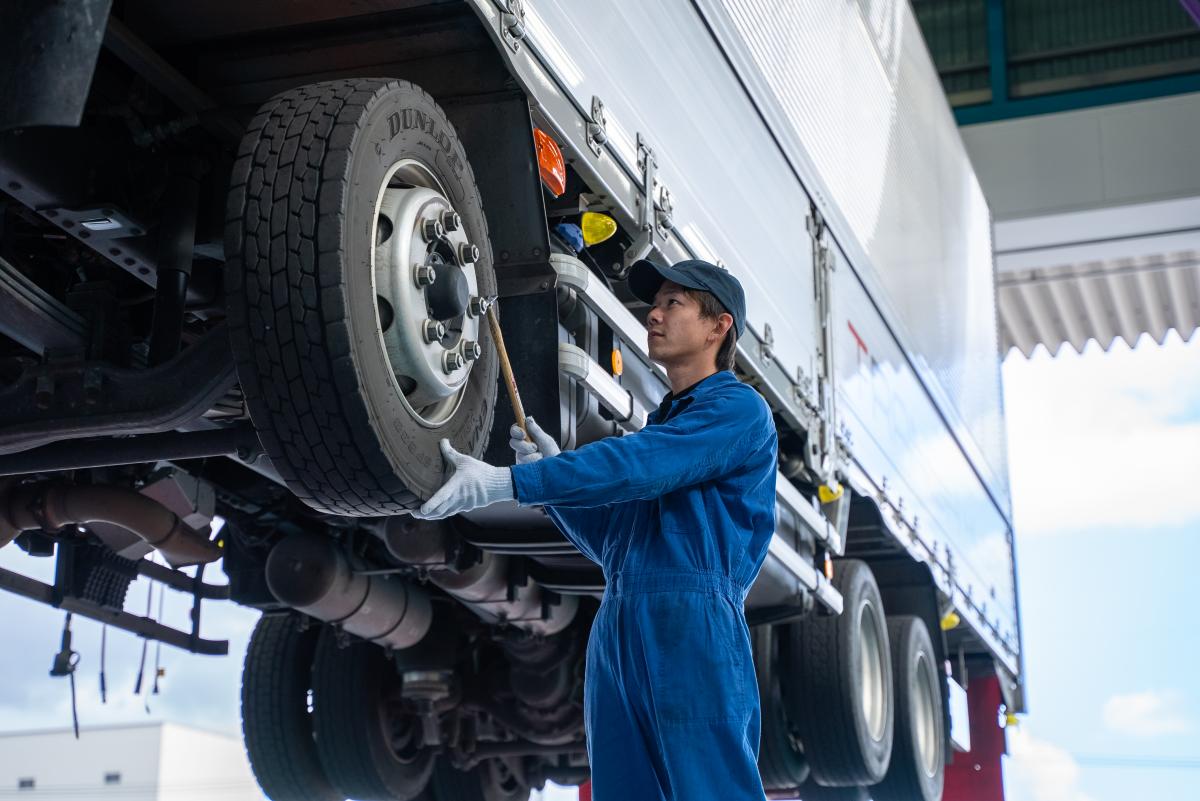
679 516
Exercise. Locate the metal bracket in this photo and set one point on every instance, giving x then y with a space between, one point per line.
766 347
512 22
597 127
654 217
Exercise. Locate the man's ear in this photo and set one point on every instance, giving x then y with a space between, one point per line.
723 323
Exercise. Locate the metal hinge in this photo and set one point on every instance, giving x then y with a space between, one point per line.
597 127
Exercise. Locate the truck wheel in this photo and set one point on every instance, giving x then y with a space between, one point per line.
276 725
368 744
839 689
356 246
781 764
918 762
491 780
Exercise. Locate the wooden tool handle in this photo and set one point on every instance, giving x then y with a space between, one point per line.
506 368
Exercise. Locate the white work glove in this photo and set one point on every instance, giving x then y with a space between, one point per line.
473 484
543 444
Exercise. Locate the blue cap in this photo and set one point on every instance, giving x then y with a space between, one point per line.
645 277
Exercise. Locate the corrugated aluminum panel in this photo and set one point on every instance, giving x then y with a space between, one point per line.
857 97
1104 301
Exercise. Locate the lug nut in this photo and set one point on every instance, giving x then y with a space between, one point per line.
477 306
450 220
424 275
433 330
471 350
451 361
467 254
432 229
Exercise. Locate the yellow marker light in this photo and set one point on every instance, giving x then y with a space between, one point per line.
950 620
597 227
550 163
1011 721
618 364
828 493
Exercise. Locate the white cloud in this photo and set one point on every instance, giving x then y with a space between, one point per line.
1105 440
1044 770
1147 714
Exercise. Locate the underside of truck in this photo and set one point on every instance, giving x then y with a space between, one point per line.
246 256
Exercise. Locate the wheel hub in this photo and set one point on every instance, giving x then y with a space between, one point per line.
426 287
874 705
924 706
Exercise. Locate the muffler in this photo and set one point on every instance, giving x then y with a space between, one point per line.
484 587
311 574
50 506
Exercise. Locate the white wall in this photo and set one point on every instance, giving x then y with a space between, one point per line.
156 762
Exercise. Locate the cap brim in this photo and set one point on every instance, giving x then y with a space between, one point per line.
645 278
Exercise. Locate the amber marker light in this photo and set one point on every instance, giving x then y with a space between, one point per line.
550 163
596 227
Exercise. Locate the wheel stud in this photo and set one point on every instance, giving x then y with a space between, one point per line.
432 229
451 361
471 350
424 275
433 330
450 220
467 254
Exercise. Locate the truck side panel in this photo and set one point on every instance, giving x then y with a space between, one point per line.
851 93
736 198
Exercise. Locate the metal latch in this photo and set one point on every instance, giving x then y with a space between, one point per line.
766 347
655 212
597 126
512 22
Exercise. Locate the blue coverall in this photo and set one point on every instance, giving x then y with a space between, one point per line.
679 515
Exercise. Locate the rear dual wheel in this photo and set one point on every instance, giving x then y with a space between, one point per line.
918 762
357 256
276 711
838 689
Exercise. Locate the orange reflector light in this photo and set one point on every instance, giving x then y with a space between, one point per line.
618 364
828 566
550 163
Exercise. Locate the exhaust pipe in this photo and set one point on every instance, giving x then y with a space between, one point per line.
51 506
310 574
484 587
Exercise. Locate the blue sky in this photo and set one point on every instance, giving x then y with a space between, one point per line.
1104 450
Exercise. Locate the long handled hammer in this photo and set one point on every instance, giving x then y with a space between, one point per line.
506 366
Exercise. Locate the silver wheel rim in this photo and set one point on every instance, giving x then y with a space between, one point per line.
874 705
409 196
923 713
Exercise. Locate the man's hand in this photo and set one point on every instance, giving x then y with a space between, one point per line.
472 485
543 444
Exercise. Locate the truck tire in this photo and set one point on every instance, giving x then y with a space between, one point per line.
781 764
488 781
368 745
276 725
918 762
335 264
811 791
838 691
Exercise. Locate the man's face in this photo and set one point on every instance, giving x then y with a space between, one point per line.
676 331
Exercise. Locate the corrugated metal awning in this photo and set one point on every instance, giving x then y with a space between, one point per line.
1101 300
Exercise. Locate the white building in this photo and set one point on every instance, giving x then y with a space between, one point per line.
146 761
